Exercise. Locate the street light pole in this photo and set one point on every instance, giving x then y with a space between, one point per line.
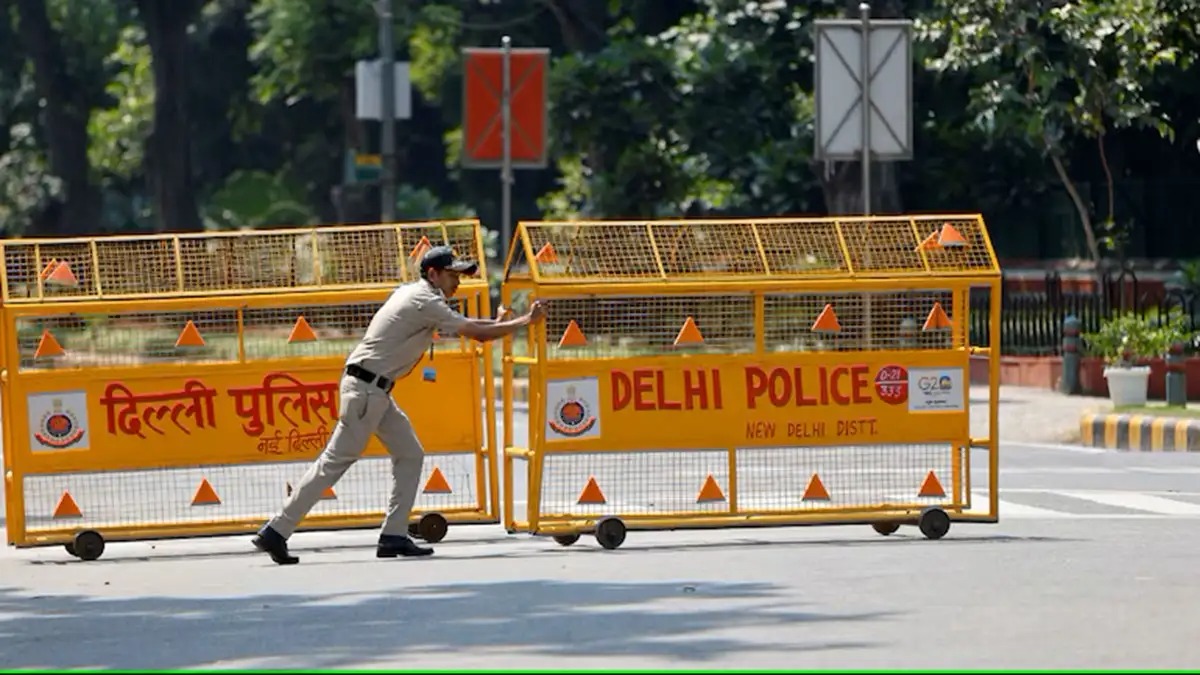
387 110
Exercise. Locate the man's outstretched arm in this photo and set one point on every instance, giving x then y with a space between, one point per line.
484 330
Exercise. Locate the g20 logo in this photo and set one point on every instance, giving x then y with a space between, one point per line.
932 384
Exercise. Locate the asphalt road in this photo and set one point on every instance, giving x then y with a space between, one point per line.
1093 565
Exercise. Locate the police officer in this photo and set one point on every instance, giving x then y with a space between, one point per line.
398 336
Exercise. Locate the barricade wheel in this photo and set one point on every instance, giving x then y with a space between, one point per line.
566 539
885 528
610 532
88 545
432 527
934 523
70 546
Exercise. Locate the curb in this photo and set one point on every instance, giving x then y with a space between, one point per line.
1140 433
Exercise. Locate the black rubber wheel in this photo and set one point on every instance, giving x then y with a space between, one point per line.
610 533
413 531
88 545
432 527
566 539
886 528
70 546
934 523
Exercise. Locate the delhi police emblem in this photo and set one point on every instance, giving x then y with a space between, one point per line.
572 415
59 428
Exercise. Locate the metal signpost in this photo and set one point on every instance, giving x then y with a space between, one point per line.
384 92
504 116
844 61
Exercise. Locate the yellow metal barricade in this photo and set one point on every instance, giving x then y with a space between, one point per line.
176 385
742 373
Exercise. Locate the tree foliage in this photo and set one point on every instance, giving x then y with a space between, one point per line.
142 114
1048 74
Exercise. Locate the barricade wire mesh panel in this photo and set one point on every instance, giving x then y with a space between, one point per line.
591 251
459 236
855 476
24 270
885 246
595 251
128 338
348 258
707 248
137 267
633 482
164 496
132 338
620 326
769 479
810 249
247 261
244 263
897 320
21 271
972 256
336 329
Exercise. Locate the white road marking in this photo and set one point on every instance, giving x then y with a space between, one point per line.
1139 501
1082 449
1167 470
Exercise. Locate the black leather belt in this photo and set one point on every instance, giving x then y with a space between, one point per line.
355 370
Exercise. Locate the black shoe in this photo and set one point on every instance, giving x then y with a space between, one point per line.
391 546
271 542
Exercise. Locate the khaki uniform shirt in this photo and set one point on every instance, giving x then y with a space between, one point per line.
402 330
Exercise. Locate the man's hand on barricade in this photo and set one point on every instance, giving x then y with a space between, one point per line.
538 310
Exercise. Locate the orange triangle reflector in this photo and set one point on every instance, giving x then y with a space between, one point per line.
689 333
189 336
62 275
48 347
951 236
329 493
572 336
48 268
937 319
816 490
421 247
932 487
546 254
437 483
591 493
710 491
827 322
205 494
67 508
930 243
302 331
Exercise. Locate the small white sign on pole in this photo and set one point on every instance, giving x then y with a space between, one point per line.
367 84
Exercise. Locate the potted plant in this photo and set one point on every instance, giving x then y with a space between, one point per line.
1126 342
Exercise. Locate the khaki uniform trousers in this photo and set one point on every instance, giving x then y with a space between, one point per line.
364 409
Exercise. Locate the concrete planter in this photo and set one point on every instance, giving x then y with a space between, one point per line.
1128 386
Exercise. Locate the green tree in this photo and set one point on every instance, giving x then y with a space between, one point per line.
1050 74
65 42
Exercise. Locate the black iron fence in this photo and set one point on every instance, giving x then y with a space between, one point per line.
1032 320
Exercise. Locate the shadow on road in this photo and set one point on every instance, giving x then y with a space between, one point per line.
524 547
321 630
